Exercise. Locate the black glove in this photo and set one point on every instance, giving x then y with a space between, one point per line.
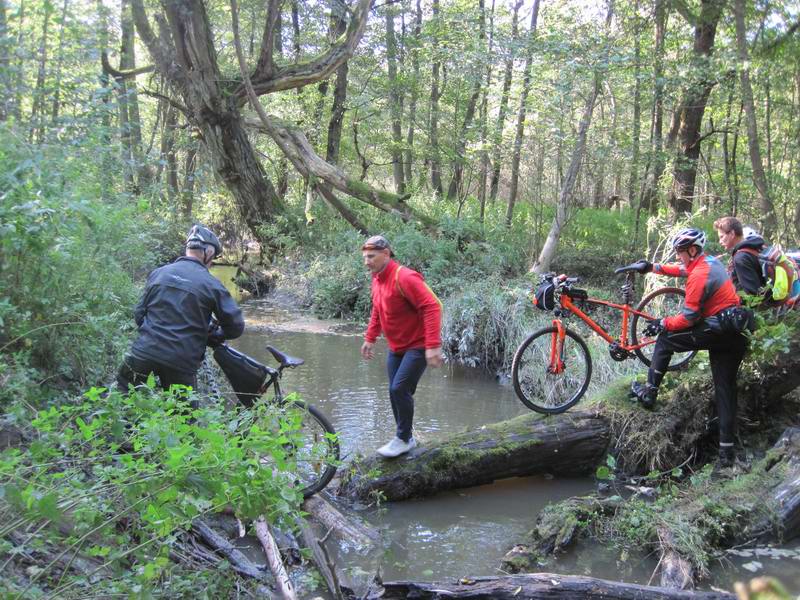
642 266
653 327
216 337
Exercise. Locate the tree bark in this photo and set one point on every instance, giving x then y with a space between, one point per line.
483 177
693 105
284 583
454 189
350 531
6 92
527 445
433 128
54 112
37 117
636 125
542 264
412 107
766 207
535 586
497 140
523 101
396 149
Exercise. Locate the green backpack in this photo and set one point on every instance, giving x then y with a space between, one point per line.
778 270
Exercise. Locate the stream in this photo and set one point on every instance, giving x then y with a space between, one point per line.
464 532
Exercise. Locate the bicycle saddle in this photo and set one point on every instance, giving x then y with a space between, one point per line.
285 359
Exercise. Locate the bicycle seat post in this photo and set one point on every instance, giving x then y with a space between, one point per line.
628 288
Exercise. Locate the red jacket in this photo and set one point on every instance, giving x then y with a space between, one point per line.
709 289
404 309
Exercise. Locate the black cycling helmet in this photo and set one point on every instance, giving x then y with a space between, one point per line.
689 237
199 237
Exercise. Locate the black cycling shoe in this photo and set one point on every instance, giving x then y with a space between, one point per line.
644 394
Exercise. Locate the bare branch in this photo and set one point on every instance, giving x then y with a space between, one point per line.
159 48
298 75
168 100
266 65
119 74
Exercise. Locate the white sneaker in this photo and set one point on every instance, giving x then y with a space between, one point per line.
396 447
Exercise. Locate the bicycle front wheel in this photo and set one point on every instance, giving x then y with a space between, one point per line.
315 450
543 386
661 303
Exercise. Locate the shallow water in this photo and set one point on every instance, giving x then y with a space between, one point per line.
464 532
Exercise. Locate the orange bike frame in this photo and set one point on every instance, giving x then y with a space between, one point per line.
627 311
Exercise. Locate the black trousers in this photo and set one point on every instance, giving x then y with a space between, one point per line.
134 371
725 350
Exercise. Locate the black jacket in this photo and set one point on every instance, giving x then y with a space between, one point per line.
174 313
745 269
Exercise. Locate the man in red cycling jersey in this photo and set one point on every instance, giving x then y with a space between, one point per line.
712 319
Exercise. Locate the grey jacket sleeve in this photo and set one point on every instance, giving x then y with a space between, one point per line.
228 314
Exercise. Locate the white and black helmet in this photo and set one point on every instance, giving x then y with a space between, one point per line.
689 237
200 238
748 232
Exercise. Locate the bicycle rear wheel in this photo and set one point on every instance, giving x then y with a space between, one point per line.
316 455
663 302
537 386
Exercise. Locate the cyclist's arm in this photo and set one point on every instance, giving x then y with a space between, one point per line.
228 314
693 302
671 270
374 327
141 308
748 272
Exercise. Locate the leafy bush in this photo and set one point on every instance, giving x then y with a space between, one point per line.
114 478
67 262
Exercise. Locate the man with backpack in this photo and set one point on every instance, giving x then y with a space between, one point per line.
712 319
757 268
409 315
173 317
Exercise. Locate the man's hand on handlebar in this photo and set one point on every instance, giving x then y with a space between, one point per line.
216 337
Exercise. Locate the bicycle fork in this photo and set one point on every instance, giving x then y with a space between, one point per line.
556 364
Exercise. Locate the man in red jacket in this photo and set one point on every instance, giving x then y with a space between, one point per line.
409 315
712 319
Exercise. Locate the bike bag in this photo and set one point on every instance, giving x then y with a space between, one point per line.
735 319
245 375
545 296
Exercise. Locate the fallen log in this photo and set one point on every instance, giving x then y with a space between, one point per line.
321 560
351 531
544 586
570 444
282 580
239 562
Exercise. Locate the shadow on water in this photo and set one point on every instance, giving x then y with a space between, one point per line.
465 532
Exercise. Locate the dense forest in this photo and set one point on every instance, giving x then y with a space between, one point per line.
489 140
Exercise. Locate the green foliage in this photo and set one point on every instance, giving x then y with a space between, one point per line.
118 477
67 260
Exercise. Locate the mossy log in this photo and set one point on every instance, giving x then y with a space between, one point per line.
568 445
544 586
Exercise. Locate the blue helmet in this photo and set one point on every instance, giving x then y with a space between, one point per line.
688 237
200 237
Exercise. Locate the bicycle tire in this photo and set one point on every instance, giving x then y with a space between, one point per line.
530 376
662 302
318 458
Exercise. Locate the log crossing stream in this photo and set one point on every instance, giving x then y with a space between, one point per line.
464 532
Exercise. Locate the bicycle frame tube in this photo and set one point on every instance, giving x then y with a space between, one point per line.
627 311
557 348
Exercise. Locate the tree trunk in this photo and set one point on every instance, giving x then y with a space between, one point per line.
528 445
130 94
433 128
542 264
6 93
454 189
192 68
20 81
412 107
37 112
534 586
168 154
766 208
396 150
523 100
659 162
59 62
484 152
105 94
187 190
636 125
692 107
497 140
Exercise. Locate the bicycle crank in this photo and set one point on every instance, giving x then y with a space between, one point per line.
618 353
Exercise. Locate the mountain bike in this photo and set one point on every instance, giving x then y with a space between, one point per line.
552 368
314 449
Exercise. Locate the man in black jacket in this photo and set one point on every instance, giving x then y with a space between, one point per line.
745 266
173 317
